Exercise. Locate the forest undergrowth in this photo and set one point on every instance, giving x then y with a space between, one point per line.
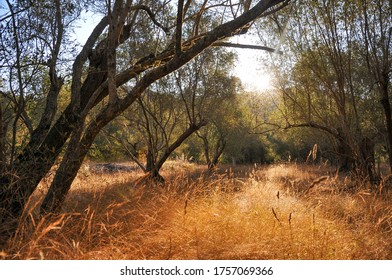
282 211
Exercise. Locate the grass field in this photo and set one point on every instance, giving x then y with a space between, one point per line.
284 211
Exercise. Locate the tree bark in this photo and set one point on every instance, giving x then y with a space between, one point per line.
378 52
206 150
76 151
2 142
67 171
35 162
37 158
388 119
369 162
345 152
220 146
56 83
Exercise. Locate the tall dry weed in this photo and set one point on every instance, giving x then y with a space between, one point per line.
253 212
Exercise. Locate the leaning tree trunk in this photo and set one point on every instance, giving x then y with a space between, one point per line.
154 167
41 152
36 160
73 158
67 171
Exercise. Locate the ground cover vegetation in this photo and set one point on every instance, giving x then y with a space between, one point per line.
250 212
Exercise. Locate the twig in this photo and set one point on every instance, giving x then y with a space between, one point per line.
315 182
276 217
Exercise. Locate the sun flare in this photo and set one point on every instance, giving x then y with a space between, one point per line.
255 80
262 81
253 77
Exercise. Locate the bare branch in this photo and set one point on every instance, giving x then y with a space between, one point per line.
198 18
180 17
244 46
129 152
313 125
152 16
13 14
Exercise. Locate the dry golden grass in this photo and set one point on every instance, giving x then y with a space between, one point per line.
251 212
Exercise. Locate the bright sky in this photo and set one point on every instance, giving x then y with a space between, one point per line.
249 69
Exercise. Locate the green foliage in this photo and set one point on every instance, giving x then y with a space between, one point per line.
327 91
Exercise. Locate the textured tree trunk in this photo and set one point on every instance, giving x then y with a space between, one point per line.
388 119
206 151
152 170
369 162
150 161
66 173
75 153
41 152
345 151
2 143
37 159
220 146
